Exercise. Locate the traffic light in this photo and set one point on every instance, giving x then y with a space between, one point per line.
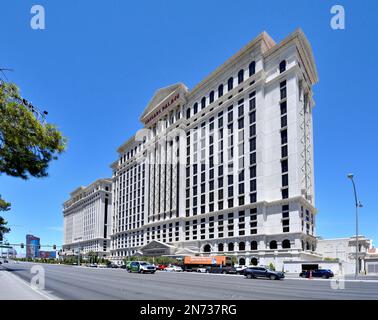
22 246
54 247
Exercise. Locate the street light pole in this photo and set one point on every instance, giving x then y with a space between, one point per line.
358 204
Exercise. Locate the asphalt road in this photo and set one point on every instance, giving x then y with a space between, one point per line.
71 282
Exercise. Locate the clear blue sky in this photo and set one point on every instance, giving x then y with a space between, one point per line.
98 63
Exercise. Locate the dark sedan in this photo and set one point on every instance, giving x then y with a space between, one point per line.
260 272
318 273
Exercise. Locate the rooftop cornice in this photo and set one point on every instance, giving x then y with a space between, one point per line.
126 144
263 39
304 49
83 190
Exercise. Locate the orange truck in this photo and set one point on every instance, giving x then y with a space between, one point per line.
207 261
210 264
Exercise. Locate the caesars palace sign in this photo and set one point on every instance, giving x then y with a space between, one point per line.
162 108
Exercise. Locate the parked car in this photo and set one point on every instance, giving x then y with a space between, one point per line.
221 269
173 269
318 273
260 272
141 267
113 266
161 267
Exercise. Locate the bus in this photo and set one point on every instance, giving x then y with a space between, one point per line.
210 264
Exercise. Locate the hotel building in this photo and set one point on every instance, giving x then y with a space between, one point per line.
87 219
226 167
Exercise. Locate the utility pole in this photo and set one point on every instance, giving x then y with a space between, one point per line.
358 205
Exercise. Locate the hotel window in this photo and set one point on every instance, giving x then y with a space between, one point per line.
284 121
283 89
220 90
252 144
230 84
230 114
252 130
241 123
252 68
211 174
195 108
253 197
253 221
252 101
285 180
220 121
241 175
188 113
282 66
284 166
252 172
241 108
283 107
283 136
240 76
252 158
211 97
230 191
203 103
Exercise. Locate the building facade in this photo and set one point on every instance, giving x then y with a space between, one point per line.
344 250
33 245
227 167
87 219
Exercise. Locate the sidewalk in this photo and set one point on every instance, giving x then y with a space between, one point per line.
14 288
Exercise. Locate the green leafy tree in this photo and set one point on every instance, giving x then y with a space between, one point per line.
27 144
4 206
271 266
